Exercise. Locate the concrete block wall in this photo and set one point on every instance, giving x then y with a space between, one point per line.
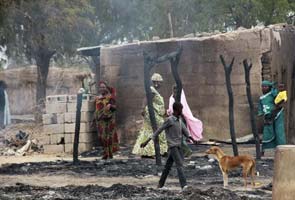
59 124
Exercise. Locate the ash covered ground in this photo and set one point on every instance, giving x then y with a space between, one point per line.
129 177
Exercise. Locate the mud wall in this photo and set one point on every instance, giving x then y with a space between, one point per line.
283 71
21 84
202 74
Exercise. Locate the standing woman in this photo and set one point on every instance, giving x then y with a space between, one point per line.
146 130
273 128
105 119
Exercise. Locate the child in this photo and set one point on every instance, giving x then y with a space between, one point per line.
282 96
174 129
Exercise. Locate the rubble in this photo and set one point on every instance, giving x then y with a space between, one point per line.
19 144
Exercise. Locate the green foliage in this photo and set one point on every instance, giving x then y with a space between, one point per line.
60 25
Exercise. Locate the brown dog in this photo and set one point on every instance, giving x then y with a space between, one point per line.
226 163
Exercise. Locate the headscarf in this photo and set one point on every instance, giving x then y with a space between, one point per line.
266 83
110 89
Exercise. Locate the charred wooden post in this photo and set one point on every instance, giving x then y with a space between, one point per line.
228 70
174 68
148 65
77 128
247 68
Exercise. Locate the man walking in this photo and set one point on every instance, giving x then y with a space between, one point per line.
174 129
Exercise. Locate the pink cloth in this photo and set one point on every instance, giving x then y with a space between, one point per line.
194 125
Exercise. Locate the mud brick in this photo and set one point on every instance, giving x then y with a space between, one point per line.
56 138
84 128
56 107
82 147
57 98
54 148
54 128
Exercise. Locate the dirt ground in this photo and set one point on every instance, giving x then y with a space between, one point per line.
125 177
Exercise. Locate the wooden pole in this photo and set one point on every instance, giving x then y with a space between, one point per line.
148 65
247 68
228 70
174 68
77 129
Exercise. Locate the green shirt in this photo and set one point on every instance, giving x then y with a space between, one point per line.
266 103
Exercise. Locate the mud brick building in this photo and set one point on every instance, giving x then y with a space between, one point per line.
270 49
59 124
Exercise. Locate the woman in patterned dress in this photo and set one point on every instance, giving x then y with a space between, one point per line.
146 131
105 120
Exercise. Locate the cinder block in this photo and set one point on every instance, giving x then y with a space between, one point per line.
60 118
56 107
84 128
85 117
71 107
83 137
69 138
56 138
53 118
69 148
47 119
54 128
44 139
54 148
57 98
87 106
72 98
86 137
70 117
86 97
82 147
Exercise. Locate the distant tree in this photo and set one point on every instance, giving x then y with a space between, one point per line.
39 29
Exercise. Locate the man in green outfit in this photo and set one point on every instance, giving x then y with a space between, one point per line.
273 129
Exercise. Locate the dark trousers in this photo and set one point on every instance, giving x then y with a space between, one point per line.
174 155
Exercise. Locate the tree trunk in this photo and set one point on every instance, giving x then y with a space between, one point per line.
42 57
